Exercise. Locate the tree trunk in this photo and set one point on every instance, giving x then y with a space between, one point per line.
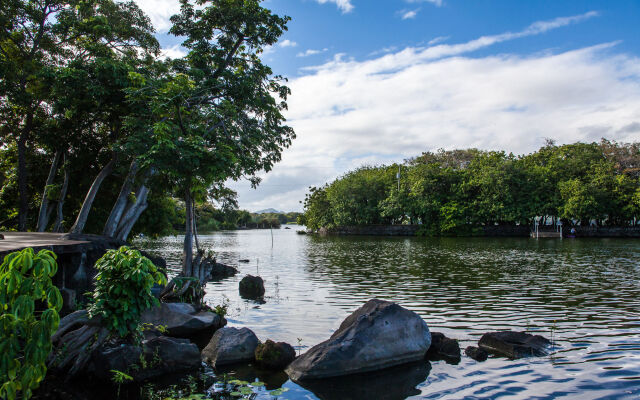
195 226
83 215
111 226
187 251
126 229
22 174
133 213
43 216
57 226
130 211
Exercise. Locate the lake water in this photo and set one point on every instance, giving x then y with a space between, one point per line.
582 293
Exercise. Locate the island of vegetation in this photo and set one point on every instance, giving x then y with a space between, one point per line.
458 192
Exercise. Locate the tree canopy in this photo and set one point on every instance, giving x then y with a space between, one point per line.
453 192
95 127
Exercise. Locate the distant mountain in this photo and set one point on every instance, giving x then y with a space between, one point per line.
270 211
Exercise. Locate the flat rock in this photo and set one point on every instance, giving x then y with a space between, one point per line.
476 353
443 348
514 344
274 355
378 335
230 346
220 271
182 319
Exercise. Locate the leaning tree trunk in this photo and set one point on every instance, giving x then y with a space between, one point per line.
43 216
187 252
111 226
83 215
133 213
57 226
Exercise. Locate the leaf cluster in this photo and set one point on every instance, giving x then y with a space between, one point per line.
123 289
29 306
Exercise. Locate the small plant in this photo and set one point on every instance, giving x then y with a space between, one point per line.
25 334
222 309
123 289
299 345
119 378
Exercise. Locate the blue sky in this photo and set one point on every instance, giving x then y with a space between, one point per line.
380 81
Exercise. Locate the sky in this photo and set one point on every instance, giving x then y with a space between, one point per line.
379 81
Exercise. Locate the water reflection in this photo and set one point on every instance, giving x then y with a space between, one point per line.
390 384
584 293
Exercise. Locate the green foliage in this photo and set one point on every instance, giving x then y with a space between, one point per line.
457 192
120 377
29 316
123 289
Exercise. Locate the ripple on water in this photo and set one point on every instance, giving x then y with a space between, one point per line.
584 294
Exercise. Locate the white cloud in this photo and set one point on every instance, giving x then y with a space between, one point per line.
437 3
311 52
160 11
343 5
409 14
389 108
175 51
287 43
437 40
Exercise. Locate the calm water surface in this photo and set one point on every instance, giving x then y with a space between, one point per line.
582 293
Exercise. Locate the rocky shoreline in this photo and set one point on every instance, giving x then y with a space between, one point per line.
381 337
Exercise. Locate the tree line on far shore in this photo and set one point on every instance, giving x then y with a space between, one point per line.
169 219
455 192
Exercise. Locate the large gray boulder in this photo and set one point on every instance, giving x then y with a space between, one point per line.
230 346
378 335
182 319
154 358
514 344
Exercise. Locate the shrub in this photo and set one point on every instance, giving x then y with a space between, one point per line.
25 333
123 289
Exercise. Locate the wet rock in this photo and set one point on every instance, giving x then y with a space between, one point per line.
476 353
378 335
182 319
243 260
156 357
229 346
514 344
251 287
220 271
443 348
396 383
274 355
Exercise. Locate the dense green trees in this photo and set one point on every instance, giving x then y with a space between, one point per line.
453 192
95 128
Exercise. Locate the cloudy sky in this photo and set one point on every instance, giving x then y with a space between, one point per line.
381 81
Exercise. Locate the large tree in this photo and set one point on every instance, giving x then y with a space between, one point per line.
38 36
217 112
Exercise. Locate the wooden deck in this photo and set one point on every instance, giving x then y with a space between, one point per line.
59 243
